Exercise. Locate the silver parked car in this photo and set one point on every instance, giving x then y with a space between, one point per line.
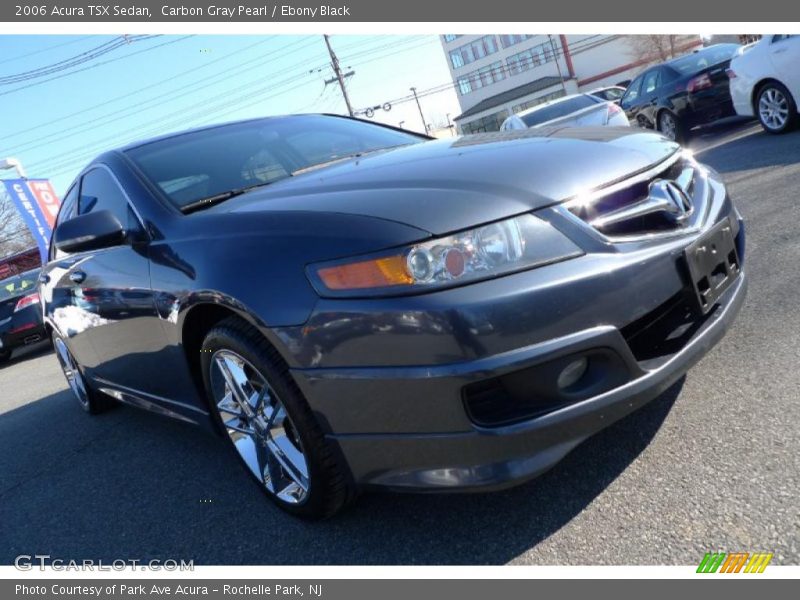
576 110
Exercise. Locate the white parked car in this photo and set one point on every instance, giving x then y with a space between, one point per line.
576 110
765 81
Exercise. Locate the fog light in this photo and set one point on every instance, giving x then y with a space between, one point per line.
570 374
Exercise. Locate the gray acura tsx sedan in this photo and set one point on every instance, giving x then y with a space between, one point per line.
351 305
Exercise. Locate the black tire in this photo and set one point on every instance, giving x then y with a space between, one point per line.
777 90
90 400
681 135
329 486
5 356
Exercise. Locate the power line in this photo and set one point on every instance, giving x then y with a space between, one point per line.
72 61
47 49
226 95
95 65
126 96
161 99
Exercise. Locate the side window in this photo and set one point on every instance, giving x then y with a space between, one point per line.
650 83
68 206
632 93
780 38
667 75
99 191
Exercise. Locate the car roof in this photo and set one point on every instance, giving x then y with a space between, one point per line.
533 109
701 51
604 88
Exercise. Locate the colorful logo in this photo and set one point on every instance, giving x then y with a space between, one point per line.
735 562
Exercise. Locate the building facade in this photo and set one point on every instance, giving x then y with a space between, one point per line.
498 75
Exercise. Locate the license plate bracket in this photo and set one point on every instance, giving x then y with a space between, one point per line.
714 265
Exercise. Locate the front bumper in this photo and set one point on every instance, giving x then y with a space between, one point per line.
387 377
496 457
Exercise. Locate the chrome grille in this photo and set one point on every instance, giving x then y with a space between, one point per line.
668 199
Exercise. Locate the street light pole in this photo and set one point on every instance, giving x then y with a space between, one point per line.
13 163
338 71
421 116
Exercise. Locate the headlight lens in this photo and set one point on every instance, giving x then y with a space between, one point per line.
488 251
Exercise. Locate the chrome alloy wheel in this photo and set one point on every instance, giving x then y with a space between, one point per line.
71 372
773 108
257 423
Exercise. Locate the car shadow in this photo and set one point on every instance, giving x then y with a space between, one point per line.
757 150
131 485
27 353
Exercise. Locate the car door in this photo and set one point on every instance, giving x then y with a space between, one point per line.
61 298
649 97
111 289
784 53
630 100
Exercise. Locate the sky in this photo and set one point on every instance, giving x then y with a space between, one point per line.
100 91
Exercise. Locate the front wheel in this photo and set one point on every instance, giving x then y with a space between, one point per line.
5 356
268 423
776 109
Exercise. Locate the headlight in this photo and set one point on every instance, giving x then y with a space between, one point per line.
487 251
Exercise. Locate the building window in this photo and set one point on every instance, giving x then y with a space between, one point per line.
480 78
509 40
530 58
485 124
463 55
449 37
517 108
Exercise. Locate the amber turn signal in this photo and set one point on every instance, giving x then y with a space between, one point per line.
376 273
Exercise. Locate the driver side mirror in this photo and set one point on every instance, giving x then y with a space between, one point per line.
92 231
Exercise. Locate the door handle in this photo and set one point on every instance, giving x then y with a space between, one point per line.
77 276
779 51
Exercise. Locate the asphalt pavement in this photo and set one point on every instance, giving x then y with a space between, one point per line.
713 464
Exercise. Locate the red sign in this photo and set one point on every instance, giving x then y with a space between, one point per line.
46 198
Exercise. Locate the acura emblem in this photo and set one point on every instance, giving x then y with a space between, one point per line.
673 198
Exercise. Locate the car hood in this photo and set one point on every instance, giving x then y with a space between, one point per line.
446 185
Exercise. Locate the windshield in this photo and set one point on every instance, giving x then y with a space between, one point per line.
18 285
558 110
713 55
613 93
203 164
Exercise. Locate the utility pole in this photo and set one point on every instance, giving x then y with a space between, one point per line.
339 76
421 116
558 66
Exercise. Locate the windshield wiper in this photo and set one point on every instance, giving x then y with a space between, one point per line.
327 162
217 198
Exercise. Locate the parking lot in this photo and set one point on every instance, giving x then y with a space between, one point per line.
713 464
